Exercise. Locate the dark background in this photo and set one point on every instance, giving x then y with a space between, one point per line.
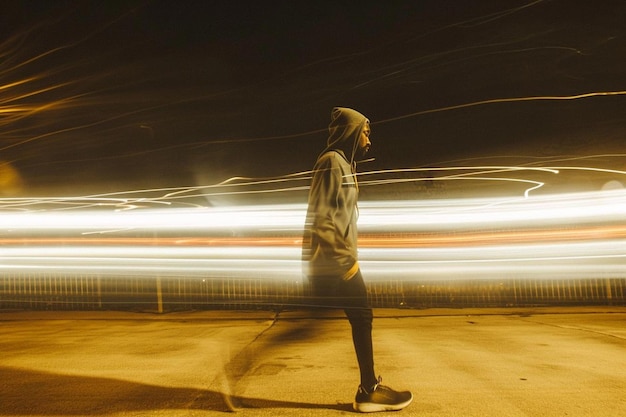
107 96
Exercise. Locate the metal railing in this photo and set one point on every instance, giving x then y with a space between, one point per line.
58 291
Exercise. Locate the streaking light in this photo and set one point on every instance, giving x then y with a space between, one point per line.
578 235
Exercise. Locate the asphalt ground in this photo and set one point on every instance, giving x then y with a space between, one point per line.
469 362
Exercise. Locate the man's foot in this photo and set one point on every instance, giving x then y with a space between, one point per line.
381 398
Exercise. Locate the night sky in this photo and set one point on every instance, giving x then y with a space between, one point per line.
105 96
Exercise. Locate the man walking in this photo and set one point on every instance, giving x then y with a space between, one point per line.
330 249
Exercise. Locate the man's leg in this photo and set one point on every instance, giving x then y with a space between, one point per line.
360 317
371 395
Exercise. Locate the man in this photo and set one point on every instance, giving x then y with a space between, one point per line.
330 249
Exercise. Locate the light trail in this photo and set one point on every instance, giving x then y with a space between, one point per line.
526 176
595 259
174 232
404 240
380 216
504 100
577 235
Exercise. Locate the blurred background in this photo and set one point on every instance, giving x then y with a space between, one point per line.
484 107
101 97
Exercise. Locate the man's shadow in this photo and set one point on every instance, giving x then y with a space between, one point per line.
36 393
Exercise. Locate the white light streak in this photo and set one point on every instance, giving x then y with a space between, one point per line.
577 235
381 216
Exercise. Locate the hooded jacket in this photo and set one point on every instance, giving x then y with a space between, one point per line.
330 235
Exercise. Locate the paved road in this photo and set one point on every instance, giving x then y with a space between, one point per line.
522 362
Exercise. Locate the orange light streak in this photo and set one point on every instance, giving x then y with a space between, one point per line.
404 240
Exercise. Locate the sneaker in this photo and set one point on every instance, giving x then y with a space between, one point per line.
381 398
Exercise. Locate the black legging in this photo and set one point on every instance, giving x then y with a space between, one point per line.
351 296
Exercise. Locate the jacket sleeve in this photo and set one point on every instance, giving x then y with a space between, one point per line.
329 219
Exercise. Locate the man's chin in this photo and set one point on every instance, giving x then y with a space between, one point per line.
363 153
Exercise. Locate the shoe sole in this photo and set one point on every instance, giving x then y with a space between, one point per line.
374 407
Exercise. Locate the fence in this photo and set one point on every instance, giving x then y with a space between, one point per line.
94 292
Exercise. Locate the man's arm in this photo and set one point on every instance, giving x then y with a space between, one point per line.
325 189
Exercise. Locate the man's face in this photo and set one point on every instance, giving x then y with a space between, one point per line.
364 141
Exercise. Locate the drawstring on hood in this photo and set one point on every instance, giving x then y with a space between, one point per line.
344 130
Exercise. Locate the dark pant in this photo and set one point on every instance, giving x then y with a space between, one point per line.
351 296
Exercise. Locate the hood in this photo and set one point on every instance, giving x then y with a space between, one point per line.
344 130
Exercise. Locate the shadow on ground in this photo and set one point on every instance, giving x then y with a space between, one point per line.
36 393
